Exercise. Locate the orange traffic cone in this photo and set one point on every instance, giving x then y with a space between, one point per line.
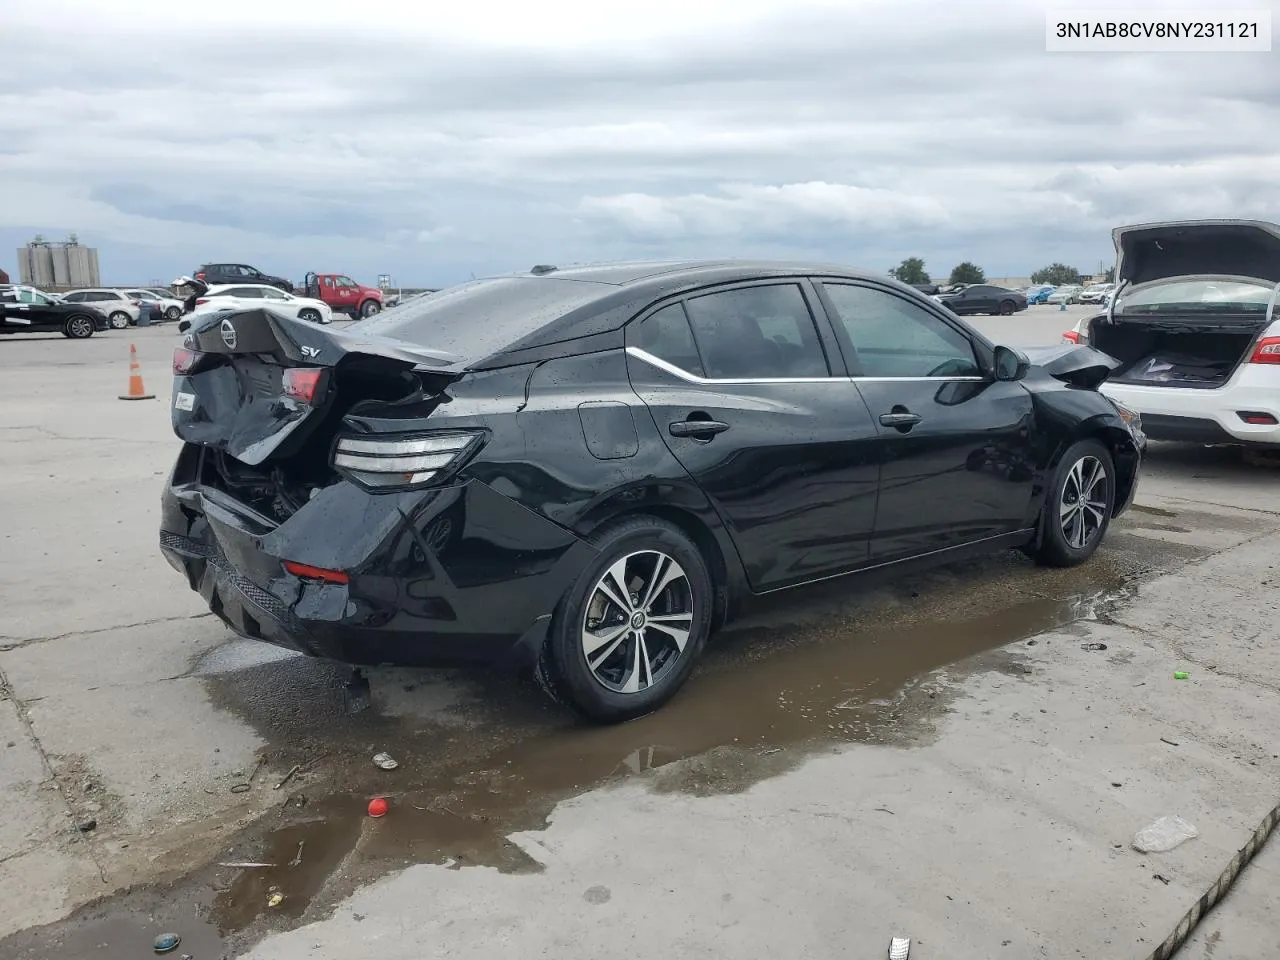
136 390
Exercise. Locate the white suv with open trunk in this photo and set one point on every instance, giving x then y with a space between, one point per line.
1193 323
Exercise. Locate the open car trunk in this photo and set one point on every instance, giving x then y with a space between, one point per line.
1197 354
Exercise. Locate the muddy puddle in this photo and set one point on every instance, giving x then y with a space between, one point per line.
483 757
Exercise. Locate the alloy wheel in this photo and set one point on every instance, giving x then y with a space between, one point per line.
1085 501
119 321
81 327
637 622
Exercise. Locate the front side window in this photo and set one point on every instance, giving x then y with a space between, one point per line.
896 338
763 332
1196 296
344 281
270 293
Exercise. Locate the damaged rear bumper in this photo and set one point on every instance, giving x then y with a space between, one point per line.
435 578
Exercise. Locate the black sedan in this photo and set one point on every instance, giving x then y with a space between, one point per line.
27 310
584 472
984 298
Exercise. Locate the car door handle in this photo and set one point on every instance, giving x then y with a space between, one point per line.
903 418
699 429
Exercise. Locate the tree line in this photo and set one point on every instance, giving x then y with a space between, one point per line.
911 270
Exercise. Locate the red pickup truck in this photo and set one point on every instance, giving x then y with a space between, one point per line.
343 294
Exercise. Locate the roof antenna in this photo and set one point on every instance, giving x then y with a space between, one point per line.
542 268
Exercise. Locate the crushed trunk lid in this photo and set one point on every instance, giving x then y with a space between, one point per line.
1147 252
260 384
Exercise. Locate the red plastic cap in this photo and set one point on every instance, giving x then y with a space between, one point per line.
377 807
308 572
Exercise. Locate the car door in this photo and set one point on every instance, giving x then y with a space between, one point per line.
955 444
279 300
42 311
741 390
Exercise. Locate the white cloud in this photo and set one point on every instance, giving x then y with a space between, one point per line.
432 141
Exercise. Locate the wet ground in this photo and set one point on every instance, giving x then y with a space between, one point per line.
488 757
483 758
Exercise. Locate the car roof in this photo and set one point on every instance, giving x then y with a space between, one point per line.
244 286
579 302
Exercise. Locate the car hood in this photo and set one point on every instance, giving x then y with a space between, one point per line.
1148 252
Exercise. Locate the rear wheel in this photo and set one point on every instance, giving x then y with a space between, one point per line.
1006 308
78 327
628 632
1078 505
369 308
310 316
119 320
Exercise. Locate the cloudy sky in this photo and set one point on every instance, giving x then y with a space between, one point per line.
434 141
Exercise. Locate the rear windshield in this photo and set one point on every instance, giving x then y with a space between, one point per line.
479 318
1196 296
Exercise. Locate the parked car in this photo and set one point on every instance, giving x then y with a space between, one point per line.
221 274
170 307
343 294
247 296
583 472
928 289
1097 293
1039 293
1067 293
1195 329
120 308
25 309
984 298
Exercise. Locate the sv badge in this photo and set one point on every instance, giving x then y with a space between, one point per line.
310 352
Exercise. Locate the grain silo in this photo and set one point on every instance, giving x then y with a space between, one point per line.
63 265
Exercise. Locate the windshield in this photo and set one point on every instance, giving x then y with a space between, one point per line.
1206 295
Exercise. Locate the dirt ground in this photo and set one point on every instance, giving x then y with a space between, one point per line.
950 757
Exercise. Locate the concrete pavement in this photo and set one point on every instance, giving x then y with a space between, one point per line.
849 764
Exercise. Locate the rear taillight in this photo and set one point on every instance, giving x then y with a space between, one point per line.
185 361
1257 418
136 303
392 463
303 383
1071 337
202 300
1267 351
200 276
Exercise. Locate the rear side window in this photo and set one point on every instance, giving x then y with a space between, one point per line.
475 319
73 298
666 335
763 332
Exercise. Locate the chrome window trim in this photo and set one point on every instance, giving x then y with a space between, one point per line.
688 377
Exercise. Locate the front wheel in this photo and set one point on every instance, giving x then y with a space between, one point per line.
118 320
173 313
628 632
369 308
310 316
1078 505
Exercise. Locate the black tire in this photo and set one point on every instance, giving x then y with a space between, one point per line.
310 316
369 308
1056 548
78 327
173 313
119 320
601 694
1007 308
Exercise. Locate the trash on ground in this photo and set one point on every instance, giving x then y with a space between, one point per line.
899 948
297 857
1162 879
1181 675
377 807
166 943
275 900
1093 646
1163 835
85 826
385 761
246 864
288 776
1172 743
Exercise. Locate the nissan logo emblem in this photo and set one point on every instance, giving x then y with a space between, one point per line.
228 334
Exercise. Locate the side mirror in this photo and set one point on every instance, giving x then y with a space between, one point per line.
1010 364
